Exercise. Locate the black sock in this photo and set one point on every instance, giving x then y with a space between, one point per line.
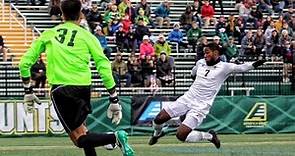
89 151
95 139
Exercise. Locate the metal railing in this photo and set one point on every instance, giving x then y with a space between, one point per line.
12 17
34 31
266 80
2 6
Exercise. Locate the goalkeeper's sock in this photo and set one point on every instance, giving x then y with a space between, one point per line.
89 151
95 139
196 136
157 129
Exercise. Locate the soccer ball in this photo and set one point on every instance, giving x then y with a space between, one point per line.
110 146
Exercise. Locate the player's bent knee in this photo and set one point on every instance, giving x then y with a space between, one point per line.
182 132
181 136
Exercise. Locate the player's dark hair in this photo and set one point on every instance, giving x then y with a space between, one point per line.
71 9
213 46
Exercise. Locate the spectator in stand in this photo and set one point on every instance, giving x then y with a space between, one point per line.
146 48
176 36
38 72
288 15
114 26
105 4
112 14
148 67
86 6
3 50
289 29
120 70
244 12
255 17
197 5
123 6
203 42
141 30
54 9
84 22
196 9
267 22
239 30
259 42
216 40
143 11
121 40
207 13
272 45
141 15
278 5
186 18
284 38
220 4
231 50
220 24
247 45
131 40
145 6
164 70
94 18
103 41
161 45
193 35
162 13
269 30
223 36
134 68
288 54
130 11
126 24
279 23
265 5
231 25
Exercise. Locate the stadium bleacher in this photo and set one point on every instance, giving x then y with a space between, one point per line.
266 80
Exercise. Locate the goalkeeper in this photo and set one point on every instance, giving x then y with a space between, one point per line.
68 49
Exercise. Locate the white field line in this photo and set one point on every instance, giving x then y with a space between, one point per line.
8 148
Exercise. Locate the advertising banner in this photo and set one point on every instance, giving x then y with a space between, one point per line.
232 115
238 114
14 120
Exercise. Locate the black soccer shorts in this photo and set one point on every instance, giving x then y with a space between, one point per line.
72 105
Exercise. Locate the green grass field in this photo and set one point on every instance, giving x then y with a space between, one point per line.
232 145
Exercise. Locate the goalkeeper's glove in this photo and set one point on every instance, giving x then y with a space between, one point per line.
114 111
258 63
30 98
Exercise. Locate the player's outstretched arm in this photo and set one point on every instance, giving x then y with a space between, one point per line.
258 63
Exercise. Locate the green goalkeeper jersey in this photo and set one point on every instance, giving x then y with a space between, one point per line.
68 48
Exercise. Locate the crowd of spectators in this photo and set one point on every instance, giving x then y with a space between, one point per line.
251 33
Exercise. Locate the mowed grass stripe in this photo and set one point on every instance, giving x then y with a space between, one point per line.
156 145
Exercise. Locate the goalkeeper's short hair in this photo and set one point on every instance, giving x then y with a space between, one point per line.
71 9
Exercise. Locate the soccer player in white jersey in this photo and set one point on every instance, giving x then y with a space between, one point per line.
209 73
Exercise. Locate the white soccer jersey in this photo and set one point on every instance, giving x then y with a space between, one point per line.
210 78
197 101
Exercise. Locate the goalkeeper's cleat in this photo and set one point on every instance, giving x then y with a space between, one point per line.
154 139
214 139
122 140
